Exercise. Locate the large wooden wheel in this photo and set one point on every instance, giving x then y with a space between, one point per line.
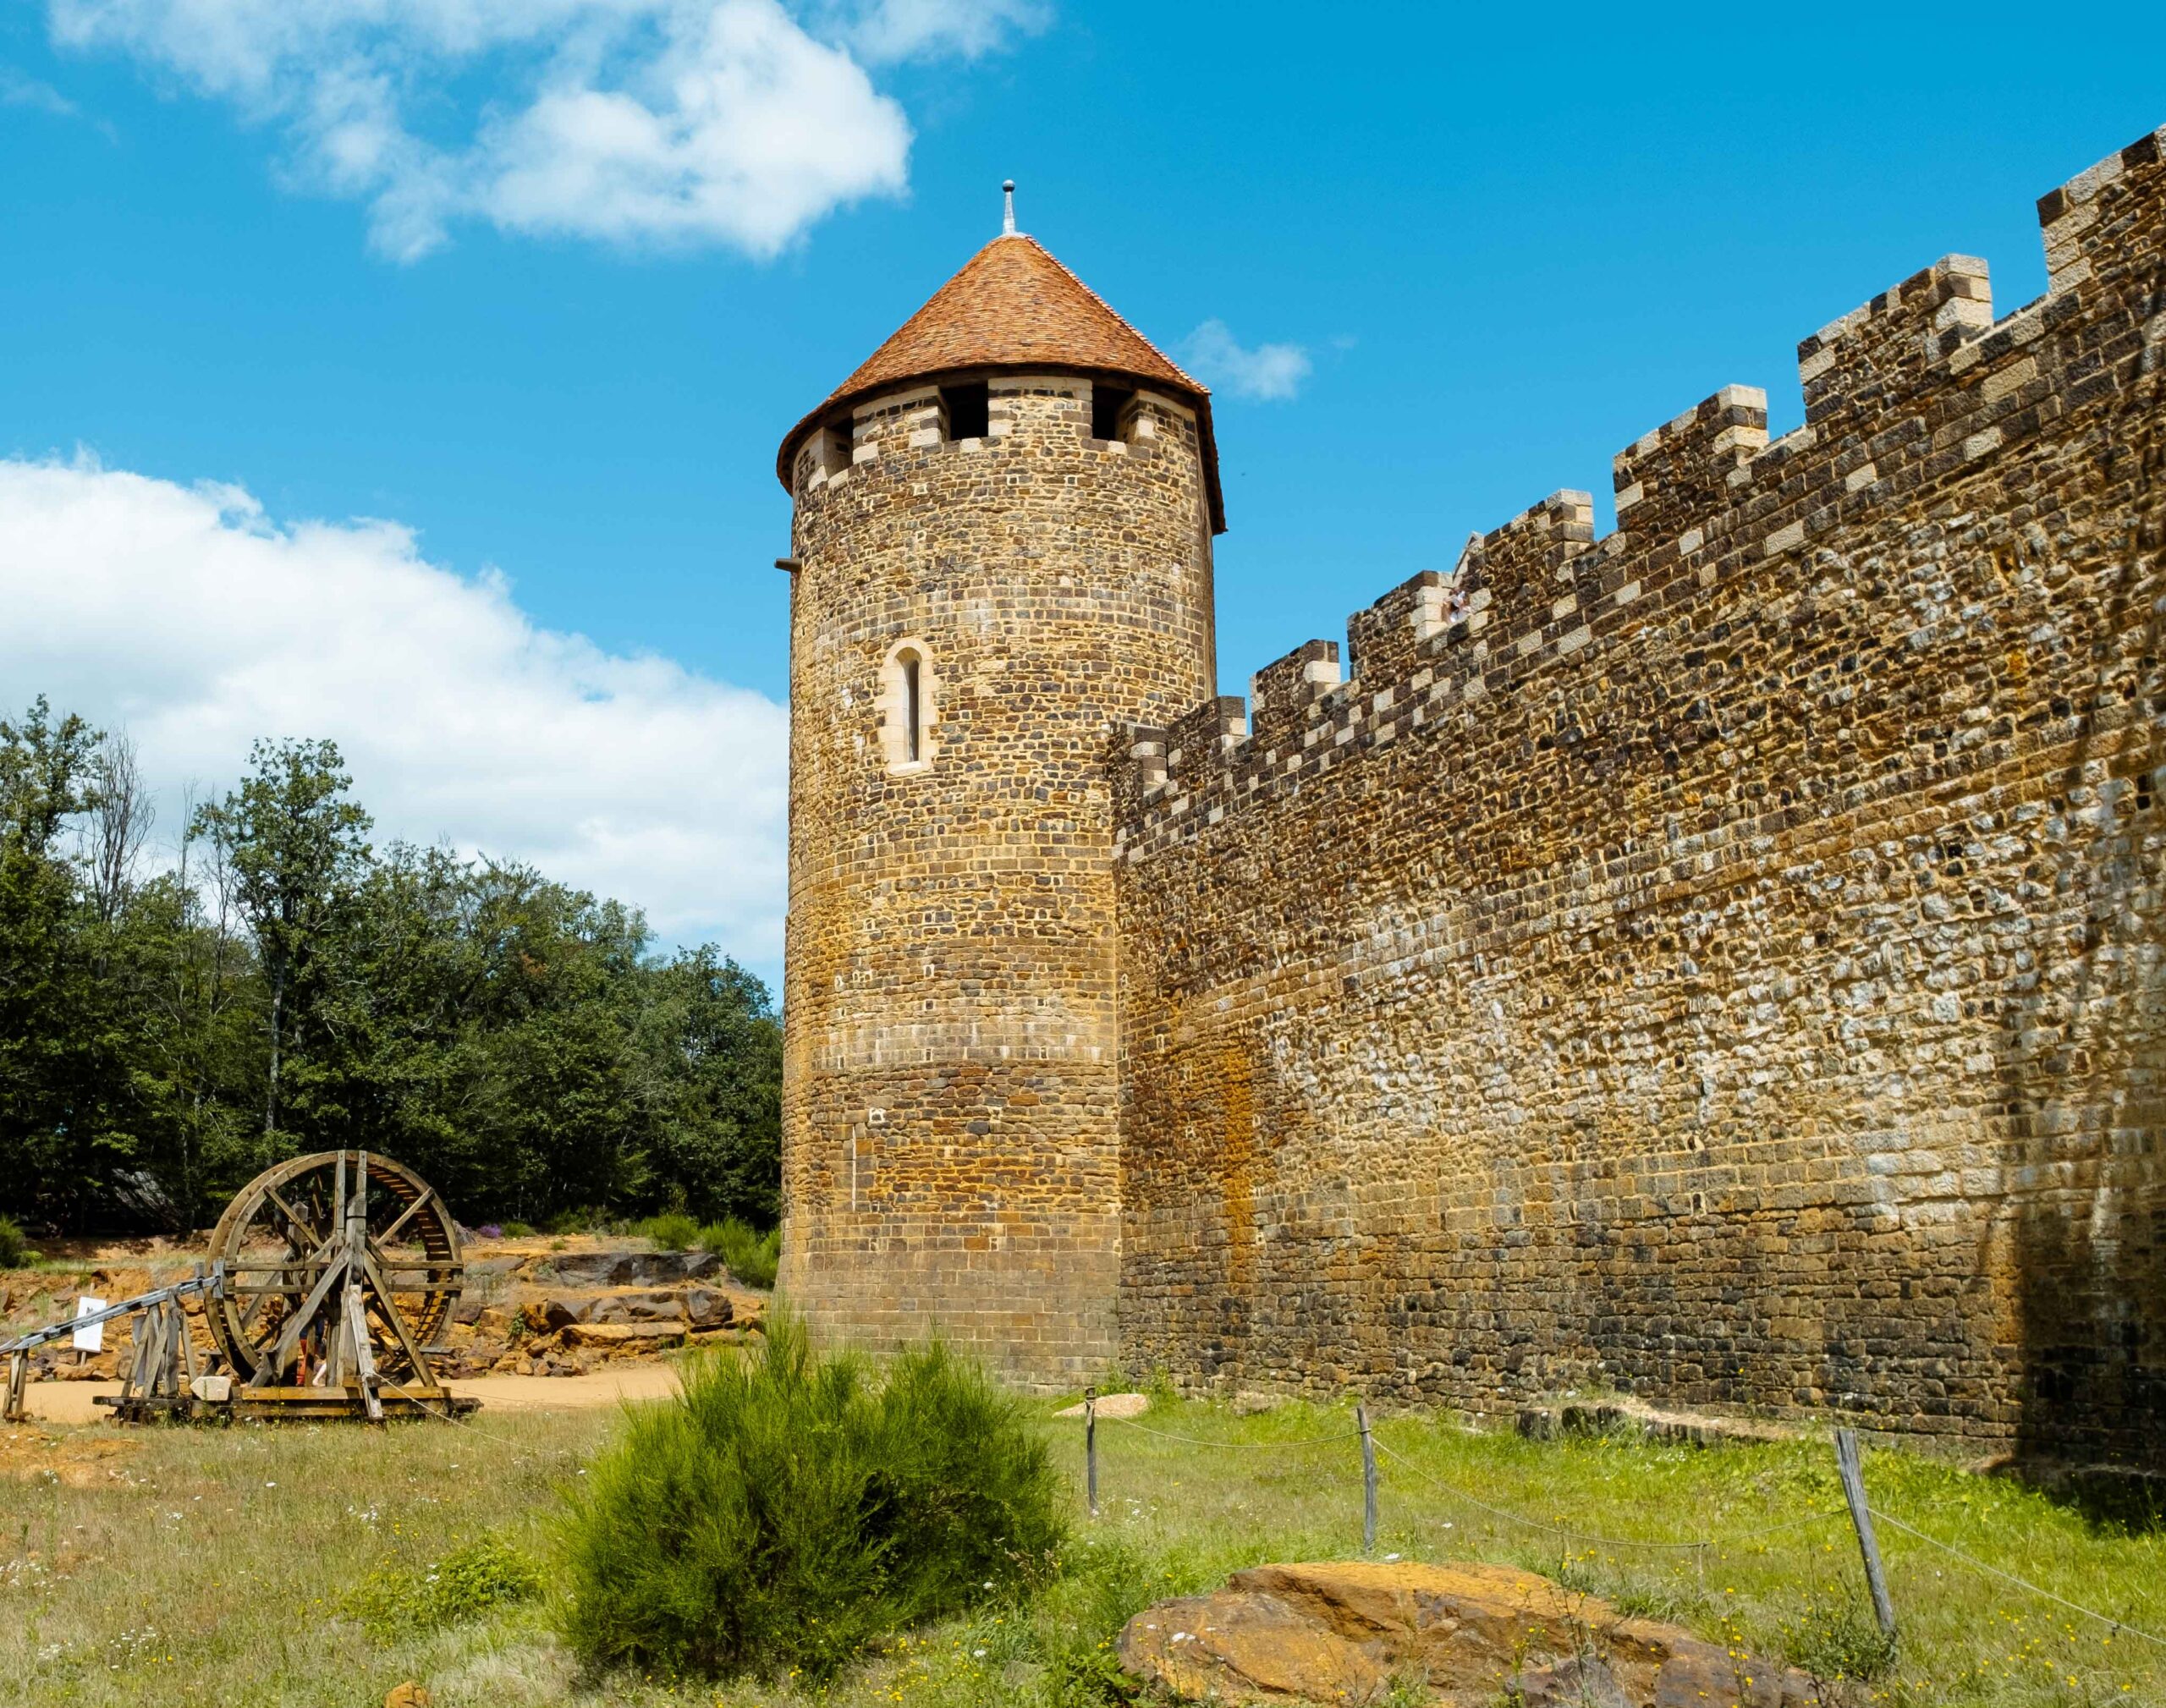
341 1264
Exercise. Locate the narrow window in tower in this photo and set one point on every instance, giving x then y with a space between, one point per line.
908 706
913 711
969 409
1108 405
837 444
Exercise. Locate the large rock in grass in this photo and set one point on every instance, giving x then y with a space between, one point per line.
1471 1635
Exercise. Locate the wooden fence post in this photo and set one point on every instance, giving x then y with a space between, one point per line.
1368 1481
1091 1447
1853 1475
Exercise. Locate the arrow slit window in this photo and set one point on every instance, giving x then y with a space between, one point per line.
907 710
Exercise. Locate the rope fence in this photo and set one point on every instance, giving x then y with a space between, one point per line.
1979 1565
1699 1547
1130 1423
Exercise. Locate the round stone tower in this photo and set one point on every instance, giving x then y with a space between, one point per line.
1001 548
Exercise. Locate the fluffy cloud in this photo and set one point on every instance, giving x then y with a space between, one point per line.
1268 373
890 29
658 121
187 616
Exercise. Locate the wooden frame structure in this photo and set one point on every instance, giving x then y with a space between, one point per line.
330 1277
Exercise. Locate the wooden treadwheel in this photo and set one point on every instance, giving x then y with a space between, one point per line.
342 1267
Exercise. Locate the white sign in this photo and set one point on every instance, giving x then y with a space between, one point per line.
91 1339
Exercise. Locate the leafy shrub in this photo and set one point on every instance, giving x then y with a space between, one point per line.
753 1258
788 1508
15 1245
519 1230
673 1231
465 1583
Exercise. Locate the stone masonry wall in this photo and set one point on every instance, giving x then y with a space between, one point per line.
1722 960
950 1153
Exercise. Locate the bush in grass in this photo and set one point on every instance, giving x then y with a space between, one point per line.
673 1232
788 1508
752 1257
15 1245
465 1583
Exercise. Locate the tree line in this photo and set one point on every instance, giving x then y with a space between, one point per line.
278 984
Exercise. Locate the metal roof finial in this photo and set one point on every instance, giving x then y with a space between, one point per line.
1008 215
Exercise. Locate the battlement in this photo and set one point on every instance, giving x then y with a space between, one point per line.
1915 390
894 435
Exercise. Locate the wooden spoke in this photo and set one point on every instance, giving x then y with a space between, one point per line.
309 1238
381 1240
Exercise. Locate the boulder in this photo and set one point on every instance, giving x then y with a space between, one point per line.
1352 1632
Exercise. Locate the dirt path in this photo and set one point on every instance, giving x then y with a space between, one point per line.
69 1402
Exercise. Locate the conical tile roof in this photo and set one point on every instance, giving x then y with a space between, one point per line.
1015 307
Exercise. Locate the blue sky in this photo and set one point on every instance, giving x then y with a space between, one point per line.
483 271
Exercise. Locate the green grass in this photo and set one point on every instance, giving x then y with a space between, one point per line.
15 1245
673 1231
217 1566
751 1256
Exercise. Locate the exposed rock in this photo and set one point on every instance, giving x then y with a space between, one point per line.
1114 1405
1349 1632
626 1268
622 1337
649 1305
1636 1419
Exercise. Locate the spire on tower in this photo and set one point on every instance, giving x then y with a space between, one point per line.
1008 215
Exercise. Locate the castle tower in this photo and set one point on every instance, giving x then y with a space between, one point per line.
1002 547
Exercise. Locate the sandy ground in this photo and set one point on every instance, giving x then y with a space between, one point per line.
69 1402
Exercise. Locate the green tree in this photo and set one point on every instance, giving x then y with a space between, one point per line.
297 844
712 1049
57 1069
161 1035
485 1017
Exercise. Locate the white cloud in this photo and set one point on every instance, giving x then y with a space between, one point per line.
890 29
1268 373
18 90
187 616
657 121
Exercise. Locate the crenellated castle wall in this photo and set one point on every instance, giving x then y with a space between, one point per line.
1720 960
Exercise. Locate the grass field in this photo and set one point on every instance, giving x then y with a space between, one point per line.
319 1567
